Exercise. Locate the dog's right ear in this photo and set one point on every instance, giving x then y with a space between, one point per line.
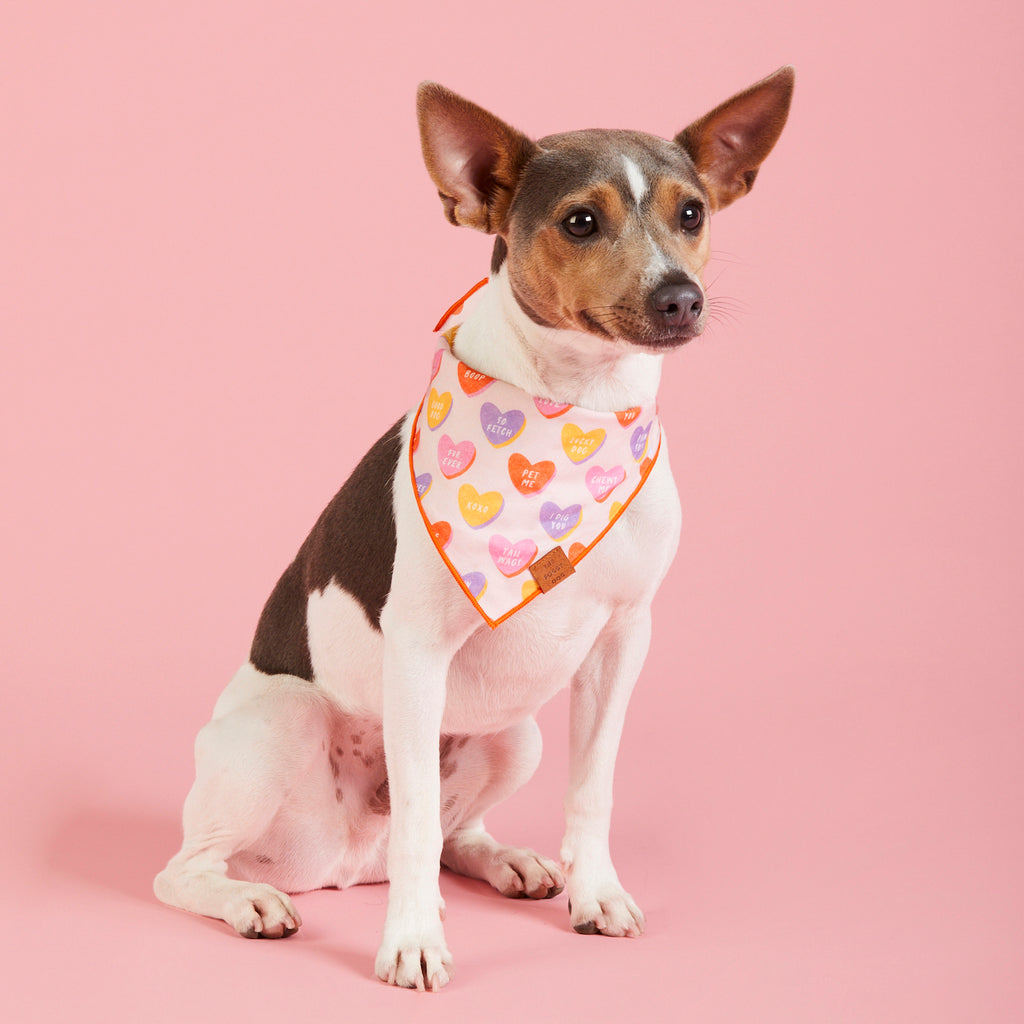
474 158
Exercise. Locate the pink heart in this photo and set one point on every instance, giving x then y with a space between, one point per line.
550 409
601 482
511 558
453 458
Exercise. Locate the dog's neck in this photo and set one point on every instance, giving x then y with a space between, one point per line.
499 339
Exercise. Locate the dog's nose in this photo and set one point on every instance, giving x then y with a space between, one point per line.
678 305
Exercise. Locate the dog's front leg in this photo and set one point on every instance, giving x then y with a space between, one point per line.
413 953
600 693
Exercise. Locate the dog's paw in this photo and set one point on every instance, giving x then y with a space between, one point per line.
523 874
609 910
414 957
258 911
423 965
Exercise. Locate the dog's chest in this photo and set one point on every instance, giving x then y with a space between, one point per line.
500 675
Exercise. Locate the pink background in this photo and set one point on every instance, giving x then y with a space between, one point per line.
221 260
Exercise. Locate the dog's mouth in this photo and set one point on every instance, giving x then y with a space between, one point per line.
615 324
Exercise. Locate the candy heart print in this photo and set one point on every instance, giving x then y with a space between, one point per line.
472 381
488 449
559 522
501 428
638 442
581 444
550 410
454 459
601 482
476 583
510 558
479 509
438 407
529 477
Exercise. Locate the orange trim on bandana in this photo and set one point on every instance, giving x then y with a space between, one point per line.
457 307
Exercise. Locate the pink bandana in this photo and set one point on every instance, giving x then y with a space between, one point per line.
515 490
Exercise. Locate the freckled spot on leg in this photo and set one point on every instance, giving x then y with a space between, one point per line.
262 858
463 740
357 738
447 752
338 751
335 770
368 760
380 802
338 795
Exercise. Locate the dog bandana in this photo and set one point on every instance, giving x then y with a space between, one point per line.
515 490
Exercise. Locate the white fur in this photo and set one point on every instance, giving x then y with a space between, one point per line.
637 182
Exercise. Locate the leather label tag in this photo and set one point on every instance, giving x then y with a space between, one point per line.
549 570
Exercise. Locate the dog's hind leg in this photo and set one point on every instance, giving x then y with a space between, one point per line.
249 761
475 776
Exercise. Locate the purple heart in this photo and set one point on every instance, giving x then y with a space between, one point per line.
476 583
559 522
423 482
638 442
501 428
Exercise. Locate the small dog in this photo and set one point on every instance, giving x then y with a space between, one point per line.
390 693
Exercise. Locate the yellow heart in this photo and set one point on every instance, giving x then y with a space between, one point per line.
578 444
438 407
479 509
614 511
528 588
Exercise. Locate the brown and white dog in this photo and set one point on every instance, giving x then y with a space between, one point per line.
378 718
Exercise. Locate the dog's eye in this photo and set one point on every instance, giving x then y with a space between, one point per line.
690 217
580 224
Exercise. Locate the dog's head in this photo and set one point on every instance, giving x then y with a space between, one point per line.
602 231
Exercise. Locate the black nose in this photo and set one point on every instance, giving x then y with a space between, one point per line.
677 305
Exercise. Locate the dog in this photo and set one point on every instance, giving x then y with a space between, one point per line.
391 688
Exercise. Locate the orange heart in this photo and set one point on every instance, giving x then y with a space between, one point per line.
628 415
442 532
471 381
529 477
576 552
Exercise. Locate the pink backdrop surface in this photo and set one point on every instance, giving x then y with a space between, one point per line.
221 261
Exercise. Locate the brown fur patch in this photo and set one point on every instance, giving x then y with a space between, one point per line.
352 544
447 759
380 802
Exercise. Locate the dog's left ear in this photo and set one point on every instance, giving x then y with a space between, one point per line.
473 157
729 144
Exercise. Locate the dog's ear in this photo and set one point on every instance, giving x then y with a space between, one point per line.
729 144
474 158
